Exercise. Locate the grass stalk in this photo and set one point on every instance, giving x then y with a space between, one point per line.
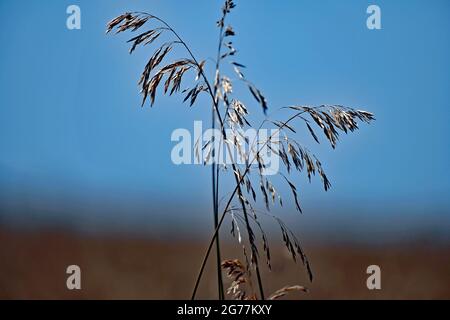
328 118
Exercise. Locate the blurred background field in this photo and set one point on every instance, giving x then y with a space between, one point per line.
116 267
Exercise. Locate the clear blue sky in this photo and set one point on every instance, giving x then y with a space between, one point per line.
71 125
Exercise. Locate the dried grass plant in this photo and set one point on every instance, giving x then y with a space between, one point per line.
228 112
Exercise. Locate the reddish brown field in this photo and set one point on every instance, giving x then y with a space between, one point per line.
32 266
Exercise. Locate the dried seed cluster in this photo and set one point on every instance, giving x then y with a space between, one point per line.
232 113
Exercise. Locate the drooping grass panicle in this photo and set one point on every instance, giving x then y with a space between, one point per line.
165 70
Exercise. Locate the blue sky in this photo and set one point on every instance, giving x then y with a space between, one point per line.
71 126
